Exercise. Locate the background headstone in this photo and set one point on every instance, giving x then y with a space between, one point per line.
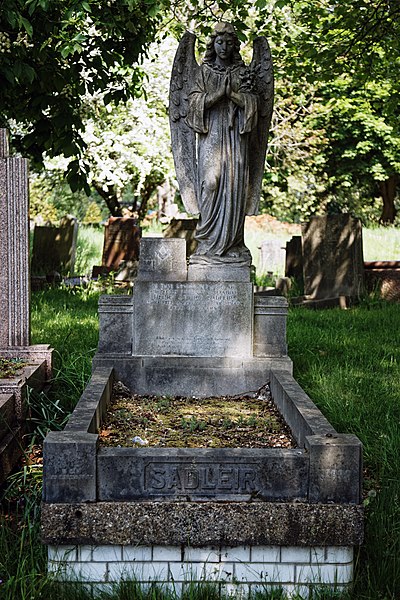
54 248
14 248
333 257
272 256
121 242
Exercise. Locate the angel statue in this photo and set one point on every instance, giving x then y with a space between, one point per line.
220 113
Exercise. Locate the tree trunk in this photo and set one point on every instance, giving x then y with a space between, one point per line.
110 198
388 193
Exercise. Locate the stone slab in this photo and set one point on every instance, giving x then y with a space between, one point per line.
236 474
183 229
203 523
69 466
188 376
224 272
297 408
335 468
11 447
116 324
162 259
92 405
272 255
7 414
294 259
332 256
193 319
121 241
270 313
32 376
54 248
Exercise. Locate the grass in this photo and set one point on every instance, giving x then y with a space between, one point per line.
89 249
349 363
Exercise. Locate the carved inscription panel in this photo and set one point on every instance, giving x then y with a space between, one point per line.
200 479
193 319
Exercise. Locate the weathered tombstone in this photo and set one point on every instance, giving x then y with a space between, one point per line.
333 257
54 248
121 242
184 229
272 256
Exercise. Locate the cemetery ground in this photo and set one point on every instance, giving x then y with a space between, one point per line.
349 363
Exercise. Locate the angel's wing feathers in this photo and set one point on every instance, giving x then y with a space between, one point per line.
183 138
261 65
261 68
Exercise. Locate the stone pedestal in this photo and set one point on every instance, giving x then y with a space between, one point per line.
270 314
14 248
162 259
190 338
223 272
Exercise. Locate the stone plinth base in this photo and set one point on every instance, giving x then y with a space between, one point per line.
191 376
224 272
234 570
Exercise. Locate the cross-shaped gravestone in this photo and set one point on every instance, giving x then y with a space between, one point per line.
14 248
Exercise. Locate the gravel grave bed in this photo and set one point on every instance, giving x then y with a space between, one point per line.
247 421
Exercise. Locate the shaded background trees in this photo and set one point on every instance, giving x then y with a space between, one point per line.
71 70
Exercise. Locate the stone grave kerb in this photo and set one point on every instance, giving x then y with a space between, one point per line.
14 248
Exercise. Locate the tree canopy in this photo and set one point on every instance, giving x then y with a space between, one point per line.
55 52
335 140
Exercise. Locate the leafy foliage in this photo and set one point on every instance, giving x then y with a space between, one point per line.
54 52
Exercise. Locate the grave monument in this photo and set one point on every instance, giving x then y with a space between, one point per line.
120 249
245 518
54 248
15 307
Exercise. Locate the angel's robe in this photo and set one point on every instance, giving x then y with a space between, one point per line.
222 162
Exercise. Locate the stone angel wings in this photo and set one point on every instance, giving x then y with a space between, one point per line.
248 110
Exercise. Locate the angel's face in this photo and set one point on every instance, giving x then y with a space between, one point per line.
224 46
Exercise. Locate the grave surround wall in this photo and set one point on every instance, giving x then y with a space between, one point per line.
273 517
91 532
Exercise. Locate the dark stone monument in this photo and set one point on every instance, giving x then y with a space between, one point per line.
54 248
121 249
121 242
333 257
294 259
220 116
